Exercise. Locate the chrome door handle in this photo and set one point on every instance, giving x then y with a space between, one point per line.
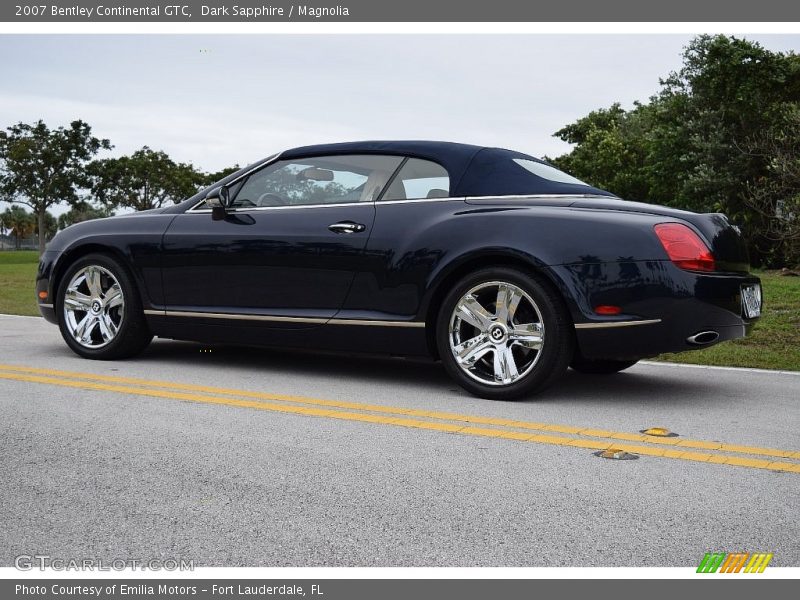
347 227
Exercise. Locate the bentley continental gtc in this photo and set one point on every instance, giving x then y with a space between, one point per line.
502 267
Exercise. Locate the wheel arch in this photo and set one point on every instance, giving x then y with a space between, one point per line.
70 256
457 270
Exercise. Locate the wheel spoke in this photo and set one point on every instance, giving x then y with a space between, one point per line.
471 311
505 366
529 335
80 327
508 299
104 332
93 282
74 300
83 333
110 325
107 327
514 298
113 296
469 352
501 304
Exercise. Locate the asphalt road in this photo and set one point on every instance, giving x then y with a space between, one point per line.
96 463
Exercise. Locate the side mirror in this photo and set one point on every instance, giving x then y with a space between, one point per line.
219 197
218 200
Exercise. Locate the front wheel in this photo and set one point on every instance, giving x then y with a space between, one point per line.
99 311
503 334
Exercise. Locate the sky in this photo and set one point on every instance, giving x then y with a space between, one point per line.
220 100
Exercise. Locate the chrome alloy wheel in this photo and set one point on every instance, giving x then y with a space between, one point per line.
496 333
93 306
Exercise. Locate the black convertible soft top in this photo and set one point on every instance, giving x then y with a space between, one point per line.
473 170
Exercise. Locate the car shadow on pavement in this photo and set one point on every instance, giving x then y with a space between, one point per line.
628 386
297 362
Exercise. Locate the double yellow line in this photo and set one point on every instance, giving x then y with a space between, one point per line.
525 431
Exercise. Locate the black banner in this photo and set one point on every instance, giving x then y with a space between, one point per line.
730 588
255 11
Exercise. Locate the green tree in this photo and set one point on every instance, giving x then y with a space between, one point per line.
728 91
144 180
47 227
610 151
687 146
776 197
212 178
40 167
82 211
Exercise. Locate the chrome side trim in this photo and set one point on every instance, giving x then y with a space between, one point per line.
416 200
241 317
612 324
45 305
376 323
280 319
201 211
529 196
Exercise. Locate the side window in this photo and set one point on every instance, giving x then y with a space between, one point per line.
419 179
545 171
318 180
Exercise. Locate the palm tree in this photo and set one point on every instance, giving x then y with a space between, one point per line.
19 222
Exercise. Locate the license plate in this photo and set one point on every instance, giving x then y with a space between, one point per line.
751 300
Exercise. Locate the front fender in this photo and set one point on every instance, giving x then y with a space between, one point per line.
135 240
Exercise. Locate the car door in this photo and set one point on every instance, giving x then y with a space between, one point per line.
286 251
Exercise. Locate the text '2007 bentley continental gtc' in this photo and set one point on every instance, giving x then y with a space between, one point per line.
506 269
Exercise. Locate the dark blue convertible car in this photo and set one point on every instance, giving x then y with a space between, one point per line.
501 266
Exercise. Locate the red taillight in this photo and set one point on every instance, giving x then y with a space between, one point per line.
684 247
607 309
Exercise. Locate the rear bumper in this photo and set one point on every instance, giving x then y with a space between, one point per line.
662 307
633 343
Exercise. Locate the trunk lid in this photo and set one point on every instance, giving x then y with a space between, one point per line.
724 239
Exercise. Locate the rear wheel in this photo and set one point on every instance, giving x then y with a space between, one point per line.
600 367
503 334
99 311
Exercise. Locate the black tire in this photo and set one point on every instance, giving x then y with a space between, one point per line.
132 336
599 367
553 357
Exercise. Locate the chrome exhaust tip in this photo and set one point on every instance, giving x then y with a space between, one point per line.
703 338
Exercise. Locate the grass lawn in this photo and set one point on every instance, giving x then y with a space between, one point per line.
17 280
774 344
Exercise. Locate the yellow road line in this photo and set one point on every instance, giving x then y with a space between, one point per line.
681 443
404 422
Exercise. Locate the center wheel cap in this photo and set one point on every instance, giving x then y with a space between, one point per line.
96 306
498 333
